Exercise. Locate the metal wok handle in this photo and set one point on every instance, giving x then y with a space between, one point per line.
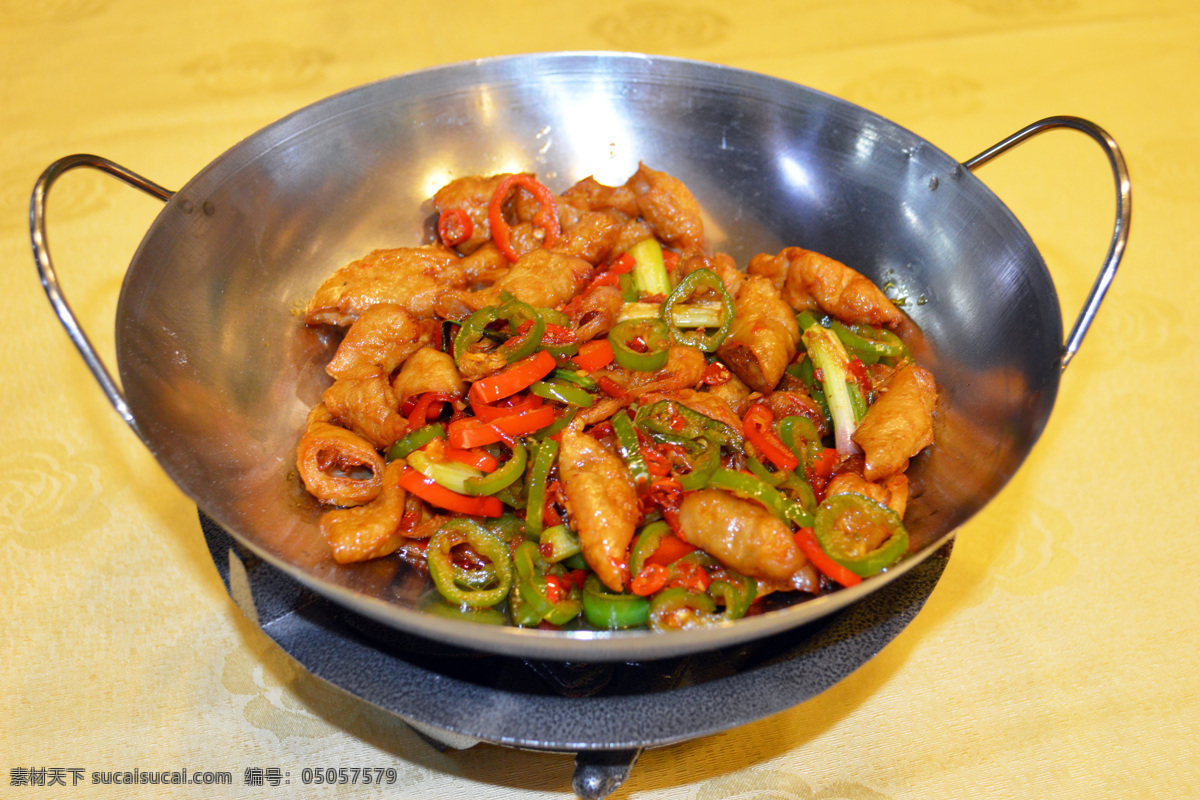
45 267
1120 230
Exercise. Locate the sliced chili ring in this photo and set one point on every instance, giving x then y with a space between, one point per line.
862 535
546 217
446 230
699 338
652 333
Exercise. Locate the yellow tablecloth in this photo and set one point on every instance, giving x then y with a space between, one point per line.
1057 656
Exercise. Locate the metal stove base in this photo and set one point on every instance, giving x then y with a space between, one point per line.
604 714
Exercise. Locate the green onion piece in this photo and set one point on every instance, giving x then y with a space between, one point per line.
539 473
610 611
862 535
830 357
502 478
415 440
462 586
649 272
652 333
629 289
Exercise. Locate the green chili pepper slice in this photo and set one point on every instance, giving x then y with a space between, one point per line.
646 544
869 343
415 440
557 426
704 464
765 475
752 488
670 421
735 592
610 611
502 478
862 535
462 586
699 338
563 392
677 608
652 333
487 615
801 436
531 580
629 449
515 312
577 377
539 473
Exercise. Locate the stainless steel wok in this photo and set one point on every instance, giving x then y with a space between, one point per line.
217 373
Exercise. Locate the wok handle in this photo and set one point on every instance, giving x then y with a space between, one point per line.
45 266
1116 249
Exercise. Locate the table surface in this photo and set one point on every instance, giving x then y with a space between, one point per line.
1055 658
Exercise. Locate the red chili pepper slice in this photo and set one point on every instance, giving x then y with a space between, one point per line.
446 227
470 432
519 375
759 433
505 408
420 412
431 492
670 549
546 217
484 462
594 355
807 540
651 579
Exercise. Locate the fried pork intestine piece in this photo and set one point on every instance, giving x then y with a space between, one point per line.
899 424
410 277
337 466
796 403
372 530
596 312
541 278
382 338
722 264
763 339
428 370
684 368
590 235
366 404
747 538
669 207
809 280
602 502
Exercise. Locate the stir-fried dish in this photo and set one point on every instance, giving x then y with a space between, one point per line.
571 413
